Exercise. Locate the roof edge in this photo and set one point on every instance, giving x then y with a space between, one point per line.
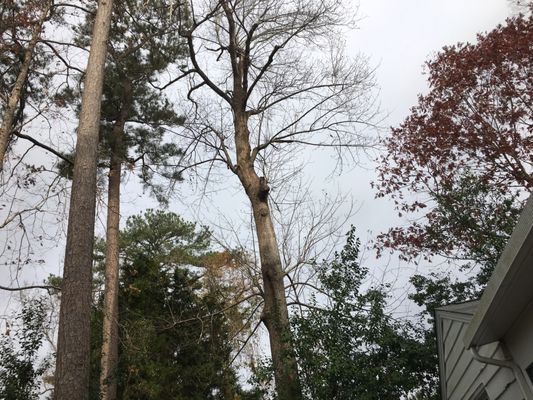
507 270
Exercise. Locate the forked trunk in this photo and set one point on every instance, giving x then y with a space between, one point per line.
13 101
74 338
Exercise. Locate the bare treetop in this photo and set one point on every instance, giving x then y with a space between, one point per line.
282 81
282 64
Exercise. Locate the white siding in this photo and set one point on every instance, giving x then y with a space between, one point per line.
464 374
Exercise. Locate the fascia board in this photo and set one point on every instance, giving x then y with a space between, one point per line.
510 288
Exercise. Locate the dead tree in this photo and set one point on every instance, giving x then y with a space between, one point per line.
278 90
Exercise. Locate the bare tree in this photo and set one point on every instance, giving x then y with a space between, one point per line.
277 90
73 347
14 19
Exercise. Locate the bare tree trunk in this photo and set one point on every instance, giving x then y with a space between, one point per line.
16 93
260 47
275 314
109 360
228 389
73 347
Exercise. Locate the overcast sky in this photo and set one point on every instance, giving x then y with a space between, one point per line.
398 37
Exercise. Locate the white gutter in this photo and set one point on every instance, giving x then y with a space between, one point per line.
509 363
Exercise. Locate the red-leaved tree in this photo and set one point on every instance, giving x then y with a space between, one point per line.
461 164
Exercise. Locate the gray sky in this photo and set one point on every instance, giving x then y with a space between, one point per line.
398 37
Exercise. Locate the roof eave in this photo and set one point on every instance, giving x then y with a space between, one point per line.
509 289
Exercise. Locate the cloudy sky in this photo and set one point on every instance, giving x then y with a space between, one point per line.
397 37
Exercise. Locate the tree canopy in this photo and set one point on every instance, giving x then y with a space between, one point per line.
175 339
460 164
21 365
256 83
348 344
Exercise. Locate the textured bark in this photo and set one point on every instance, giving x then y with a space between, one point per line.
16 93
108 385
258 53
228 388
109 360
73 348
275 313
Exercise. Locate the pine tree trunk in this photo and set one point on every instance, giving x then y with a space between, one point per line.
275 312
228 390
109 360
16 93
73 347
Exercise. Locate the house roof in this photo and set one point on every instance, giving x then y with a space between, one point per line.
462 312
458 310
510 288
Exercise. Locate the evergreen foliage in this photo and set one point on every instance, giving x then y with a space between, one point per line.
21 367
143 43
18 20
175 342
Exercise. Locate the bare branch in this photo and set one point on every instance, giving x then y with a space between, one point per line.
16 289
43 146
252 333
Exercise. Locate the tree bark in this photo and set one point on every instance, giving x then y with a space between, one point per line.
20 83
275 313
73 347
109 360
108 363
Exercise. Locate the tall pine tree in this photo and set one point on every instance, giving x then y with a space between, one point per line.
176 340
142 43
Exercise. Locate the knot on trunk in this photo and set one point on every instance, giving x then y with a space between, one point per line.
264 189
265 318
